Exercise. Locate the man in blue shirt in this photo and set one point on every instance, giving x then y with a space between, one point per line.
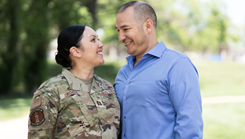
158 89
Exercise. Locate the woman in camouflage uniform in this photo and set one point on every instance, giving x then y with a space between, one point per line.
76 104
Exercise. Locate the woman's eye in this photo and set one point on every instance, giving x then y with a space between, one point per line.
93 40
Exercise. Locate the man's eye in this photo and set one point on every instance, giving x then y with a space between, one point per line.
125 29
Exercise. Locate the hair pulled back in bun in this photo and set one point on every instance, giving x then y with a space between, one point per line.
68 37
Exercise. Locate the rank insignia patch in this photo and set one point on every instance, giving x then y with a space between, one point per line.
99 103
37 117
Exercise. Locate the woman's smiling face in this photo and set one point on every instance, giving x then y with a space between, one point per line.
92 48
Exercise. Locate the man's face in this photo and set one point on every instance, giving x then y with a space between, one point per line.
131 33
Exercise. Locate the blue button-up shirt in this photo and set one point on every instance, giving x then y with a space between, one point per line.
160 97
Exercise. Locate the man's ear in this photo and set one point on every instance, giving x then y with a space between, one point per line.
148 26
74 51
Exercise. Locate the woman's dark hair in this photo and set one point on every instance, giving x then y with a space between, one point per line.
69 37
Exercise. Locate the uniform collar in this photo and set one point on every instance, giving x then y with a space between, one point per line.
77 84
97 84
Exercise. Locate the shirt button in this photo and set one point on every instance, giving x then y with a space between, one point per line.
125 99
128 81
124 117
124 135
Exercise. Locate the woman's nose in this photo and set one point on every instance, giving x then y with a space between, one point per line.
100 44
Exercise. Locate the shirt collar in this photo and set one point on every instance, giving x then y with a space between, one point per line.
156 51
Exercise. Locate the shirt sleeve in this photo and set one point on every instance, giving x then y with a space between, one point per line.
184 92
43 115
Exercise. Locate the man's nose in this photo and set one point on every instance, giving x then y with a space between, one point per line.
121 36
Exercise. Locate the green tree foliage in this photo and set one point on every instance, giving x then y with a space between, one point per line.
191 25
26 29
35 46
10 31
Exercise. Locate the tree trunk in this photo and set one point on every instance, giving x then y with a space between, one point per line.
10 56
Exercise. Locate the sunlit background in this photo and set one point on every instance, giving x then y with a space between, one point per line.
210 32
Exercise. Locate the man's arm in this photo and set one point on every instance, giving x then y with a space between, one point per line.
184 92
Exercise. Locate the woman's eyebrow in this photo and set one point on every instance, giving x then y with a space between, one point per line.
93 36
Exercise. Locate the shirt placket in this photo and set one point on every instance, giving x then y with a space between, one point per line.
125 107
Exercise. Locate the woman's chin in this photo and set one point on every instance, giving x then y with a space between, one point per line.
101 62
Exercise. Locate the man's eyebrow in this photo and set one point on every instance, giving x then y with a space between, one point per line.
123 26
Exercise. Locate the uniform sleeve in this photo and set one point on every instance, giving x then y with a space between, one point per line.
184 92
117 108
117 117
43 115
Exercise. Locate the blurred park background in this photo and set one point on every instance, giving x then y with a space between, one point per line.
204 30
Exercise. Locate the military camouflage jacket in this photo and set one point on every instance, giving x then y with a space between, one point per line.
64 108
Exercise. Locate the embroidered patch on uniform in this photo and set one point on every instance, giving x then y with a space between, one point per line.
37 117
99 103
36 103
105 92
69 93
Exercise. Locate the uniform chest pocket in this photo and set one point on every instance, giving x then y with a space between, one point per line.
84 109
109 99
73 116
77 125
109 106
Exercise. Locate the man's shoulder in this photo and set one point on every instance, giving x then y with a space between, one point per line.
175 53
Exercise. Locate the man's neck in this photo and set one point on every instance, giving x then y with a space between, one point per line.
139 57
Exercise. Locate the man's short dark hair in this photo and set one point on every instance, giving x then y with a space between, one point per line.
142 11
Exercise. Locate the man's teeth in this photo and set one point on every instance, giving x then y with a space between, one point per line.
127 43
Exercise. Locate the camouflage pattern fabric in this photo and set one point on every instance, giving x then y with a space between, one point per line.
63 108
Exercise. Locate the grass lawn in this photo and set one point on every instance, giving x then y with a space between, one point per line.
13 107
221 78
224 121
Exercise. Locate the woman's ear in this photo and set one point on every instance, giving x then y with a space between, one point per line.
74 51
148 25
